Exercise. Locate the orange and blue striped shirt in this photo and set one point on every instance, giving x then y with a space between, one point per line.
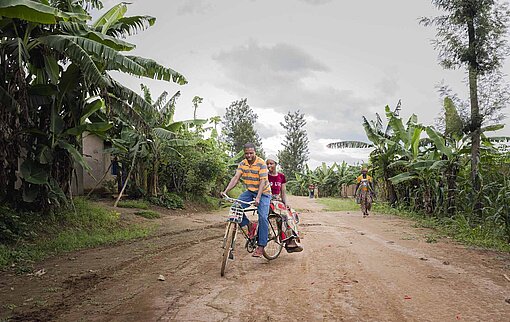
252 174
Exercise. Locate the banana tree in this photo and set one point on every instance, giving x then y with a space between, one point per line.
382 141
54 62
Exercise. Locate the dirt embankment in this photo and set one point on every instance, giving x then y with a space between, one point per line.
353 269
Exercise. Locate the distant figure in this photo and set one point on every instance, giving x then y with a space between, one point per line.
364 191
311 189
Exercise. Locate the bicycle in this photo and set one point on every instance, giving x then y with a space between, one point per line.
274 244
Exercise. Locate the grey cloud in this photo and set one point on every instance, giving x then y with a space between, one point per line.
275 76
316 2
388 86
266 130
259 73
193 7
317 159
280 59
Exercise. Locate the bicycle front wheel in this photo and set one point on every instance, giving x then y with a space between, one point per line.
228 245
274 244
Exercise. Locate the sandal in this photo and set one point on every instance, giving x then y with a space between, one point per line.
258 252
295 249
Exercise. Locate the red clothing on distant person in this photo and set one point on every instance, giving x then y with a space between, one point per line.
276 183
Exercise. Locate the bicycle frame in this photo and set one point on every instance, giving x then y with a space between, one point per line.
236 213
235 217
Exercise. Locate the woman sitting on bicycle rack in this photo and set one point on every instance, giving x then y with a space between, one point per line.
253 171
277 181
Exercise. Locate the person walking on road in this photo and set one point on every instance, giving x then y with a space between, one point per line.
364 191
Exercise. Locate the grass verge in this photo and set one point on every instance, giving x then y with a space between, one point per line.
86 225
459 228
138 204
339 204
149 214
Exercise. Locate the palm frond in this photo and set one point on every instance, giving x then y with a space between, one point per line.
160 101
127 114
169 109
77 54
396 113
349 145
379 122
82 30
156 71
36 12
129 96
398 108
129 26
499 139
110 17
164 134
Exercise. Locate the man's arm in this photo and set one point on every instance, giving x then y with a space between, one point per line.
232 183
262 184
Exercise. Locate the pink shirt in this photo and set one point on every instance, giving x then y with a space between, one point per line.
276 182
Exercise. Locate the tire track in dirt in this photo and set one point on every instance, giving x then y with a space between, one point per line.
80 287
351 269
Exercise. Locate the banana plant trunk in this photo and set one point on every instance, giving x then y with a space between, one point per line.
451 182
127 178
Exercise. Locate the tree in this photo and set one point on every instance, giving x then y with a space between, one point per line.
295 146
239 127
472 34
54 82
196 101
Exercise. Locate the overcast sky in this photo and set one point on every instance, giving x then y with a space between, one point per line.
335 61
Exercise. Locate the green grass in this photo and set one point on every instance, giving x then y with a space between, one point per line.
339 204
86 225
149 214
139 204
486 236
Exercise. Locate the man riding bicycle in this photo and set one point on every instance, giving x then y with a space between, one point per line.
253 172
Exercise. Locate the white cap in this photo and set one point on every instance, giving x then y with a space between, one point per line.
272 157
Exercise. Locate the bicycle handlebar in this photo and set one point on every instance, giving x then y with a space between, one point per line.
229 199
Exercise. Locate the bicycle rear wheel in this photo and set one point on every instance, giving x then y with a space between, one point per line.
228 245
274 244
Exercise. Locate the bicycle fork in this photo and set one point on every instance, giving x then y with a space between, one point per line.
234 233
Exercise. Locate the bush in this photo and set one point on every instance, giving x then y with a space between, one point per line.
196 171
167 200
12 225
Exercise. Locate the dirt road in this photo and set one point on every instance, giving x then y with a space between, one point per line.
379 268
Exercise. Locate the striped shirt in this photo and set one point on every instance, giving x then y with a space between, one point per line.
251 175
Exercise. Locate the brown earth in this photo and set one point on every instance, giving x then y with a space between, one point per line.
352 269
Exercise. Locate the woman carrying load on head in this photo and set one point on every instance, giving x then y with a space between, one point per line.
278 181
364 191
